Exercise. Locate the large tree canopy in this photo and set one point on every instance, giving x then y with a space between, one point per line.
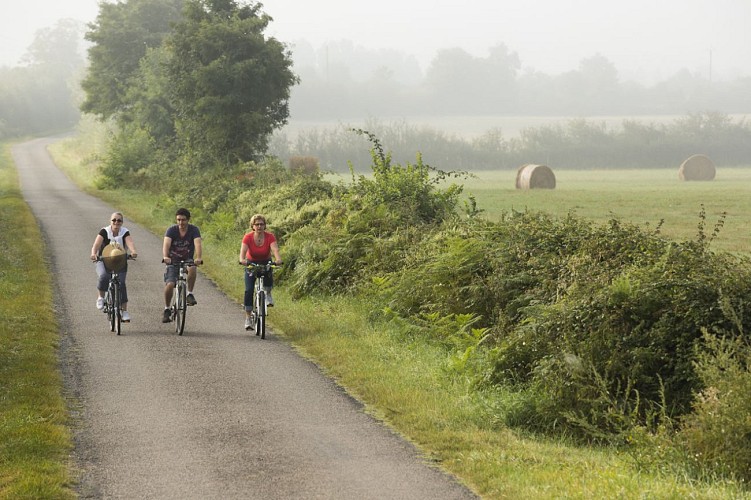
230 84
120 37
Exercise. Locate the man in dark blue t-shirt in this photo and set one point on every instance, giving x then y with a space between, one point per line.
182 241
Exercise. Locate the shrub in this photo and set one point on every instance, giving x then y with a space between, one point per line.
717 434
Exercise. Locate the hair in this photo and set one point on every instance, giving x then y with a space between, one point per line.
256 218
183 211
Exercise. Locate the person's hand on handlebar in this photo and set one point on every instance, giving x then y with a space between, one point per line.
278 263
166 260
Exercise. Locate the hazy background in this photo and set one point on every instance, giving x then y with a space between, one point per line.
647 41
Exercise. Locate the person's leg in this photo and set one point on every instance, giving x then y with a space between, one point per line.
170 276
250 282
123 290
103 277
169 288
191 278
268 284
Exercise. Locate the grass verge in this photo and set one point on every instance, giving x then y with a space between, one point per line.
410 384
34 439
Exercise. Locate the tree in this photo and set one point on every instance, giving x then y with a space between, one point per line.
230 84
462 83
121 35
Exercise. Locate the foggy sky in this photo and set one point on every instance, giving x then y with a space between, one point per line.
647 41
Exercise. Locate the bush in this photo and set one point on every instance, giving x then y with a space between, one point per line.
717 434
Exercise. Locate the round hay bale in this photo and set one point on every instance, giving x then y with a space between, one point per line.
697 168
531 176
114 257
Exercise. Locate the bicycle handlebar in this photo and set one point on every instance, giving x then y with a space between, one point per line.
255 266
99 258
180 263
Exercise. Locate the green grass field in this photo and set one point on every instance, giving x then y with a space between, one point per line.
643 197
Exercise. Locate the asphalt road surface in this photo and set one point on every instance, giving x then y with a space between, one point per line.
216 413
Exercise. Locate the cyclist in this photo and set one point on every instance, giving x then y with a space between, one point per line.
182 241
119 236
257 246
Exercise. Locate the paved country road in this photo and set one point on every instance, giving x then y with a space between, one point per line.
214 414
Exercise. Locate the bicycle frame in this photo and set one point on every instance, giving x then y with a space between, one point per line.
180 295
112 300
258 314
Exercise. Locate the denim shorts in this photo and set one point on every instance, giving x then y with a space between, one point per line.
170 274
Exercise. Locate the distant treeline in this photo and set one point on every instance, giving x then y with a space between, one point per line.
348 82
40 96
580 143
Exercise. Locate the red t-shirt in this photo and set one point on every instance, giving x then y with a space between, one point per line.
258 253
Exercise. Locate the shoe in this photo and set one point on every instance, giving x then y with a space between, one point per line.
100 303
125 317
167 316
248 323
191 300
269 299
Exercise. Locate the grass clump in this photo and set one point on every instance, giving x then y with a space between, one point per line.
34 439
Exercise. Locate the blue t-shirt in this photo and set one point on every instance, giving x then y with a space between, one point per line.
182 248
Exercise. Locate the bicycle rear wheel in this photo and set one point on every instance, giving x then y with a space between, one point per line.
181 306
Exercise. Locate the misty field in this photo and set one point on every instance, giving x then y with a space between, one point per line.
642 197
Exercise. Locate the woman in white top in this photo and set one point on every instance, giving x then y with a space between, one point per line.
118 235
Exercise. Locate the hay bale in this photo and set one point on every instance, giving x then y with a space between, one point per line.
304 164
531 176
697 168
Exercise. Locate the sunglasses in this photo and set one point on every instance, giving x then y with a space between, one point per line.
117 220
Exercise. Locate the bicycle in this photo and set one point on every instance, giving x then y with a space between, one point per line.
258 313
113 299
180 296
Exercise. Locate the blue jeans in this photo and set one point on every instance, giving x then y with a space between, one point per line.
250 283
104 280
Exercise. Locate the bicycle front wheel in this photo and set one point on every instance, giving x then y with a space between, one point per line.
181 306
261 314
110 308
117 313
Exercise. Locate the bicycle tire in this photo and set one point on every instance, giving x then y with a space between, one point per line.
109 304
117 312
180 308
261 316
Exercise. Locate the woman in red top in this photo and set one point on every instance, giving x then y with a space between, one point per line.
258 246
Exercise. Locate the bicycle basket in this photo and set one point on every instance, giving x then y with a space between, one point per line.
114 257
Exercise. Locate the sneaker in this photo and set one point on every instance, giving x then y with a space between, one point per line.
100 303
167 316
126 317
191 300
248 323
269 299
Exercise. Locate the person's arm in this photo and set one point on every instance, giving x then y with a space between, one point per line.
198 254
131 246
96 246
275 251
165 250
243 252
